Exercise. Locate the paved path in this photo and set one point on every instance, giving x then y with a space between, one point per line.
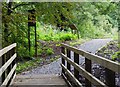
55 68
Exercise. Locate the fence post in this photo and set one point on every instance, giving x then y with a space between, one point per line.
3 62
63 61
110 77
12 53
68 55
87 68
8 55
76 60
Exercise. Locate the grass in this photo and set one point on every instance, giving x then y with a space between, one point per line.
24 66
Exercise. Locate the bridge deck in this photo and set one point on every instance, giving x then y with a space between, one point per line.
39 80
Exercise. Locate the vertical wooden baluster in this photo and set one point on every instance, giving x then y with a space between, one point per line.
87 68
7 58
110 78
63 61
3 62
13 52
68 65
76 60
68 55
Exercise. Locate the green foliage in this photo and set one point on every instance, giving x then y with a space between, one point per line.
93 20
22 66
116 55
51 34
49 51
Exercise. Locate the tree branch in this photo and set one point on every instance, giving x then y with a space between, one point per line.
20 5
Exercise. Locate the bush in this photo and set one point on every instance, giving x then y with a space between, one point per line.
116 56
55 35
49 51
67 36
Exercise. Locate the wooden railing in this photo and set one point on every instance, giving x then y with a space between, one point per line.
73 79
7 71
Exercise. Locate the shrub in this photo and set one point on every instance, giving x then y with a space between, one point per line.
49 51
116 56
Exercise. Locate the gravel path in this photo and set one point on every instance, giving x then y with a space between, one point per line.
55 68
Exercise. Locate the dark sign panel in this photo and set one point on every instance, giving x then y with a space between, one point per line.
31 18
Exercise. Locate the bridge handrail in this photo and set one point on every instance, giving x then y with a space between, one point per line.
6 49
110 66
114 66
7 71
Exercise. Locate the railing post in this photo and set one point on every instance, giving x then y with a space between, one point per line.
76 60
3 62
63 61
8 55
12 53
87 68
110 77
68 55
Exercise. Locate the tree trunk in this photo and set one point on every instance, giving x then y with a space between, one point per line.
6 22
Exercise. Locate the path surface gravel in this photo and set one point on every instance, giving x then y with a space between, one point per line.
55 68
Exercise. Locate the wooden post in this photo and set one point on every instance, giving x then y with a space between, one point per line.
87 68
3 62
7 58
76 60
29 39
68 55
0 66
35 42
63 61
12 53
110 77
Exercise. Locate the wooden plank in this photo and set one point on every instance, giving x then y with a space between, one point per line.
6 49
76 60
46 80
12 79
63 61
3 62
4 67
86 74
114 66
9 76
78 84
76 50
66 80
68 55
88 69
110 78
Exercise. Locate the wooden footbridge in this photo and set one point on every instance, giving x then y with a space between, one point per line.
67 77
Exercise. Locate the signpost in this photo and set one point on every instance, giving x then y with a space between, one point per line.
32 23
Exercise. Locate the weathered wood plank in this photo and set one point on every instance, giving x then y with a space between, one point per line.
78 84
4 67
86 74
114 66
63 61
9 76
6 49
12 79
68 55
110 78
66 80
88 69
76 60
46 80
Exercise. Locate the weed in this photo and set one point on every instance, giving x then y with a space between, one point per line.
22 66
